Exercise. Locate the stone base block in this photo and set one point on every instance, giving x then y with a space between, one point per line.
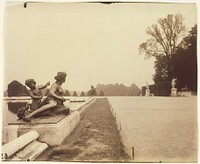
186 93
173 92
52 132
147 92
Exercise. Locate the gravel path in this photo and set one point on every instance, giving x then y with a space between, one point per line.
159 128
95 139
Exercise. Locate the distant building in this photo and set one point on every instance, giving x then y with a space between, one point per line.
15 88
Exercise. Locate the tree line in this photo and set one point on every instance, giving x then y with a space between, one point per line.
109 90
118 89
176 56
15 88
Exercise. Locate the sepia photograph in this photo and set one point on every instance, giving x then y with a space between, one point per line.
99 81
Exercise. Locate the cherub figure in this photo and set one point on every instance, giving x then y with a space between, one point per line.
35 93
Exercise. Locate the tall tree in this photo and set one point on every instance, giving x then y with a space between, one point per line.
101 93
74 94
67 93
164 38
92 91
82 94
185 61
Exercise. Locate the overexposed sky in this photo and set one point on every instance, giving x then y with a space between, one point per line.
92 42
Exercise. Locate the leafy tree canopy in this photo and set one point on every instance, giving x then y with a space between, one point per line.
164 38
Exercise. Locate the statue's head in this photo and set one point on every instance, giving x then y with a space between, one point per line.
61 76
30 83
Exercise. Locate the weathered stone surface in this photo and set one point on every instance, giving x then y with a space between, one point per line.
30 152
15 145
52 130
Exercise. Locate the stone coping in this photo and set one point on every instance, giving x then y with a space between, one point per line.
40 120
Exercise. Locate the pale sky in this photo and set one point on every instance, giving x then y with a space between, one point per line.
92 43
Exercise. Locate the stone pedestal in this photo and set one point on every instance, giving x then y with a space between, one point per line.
147 92
186 93
52 130
174 92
